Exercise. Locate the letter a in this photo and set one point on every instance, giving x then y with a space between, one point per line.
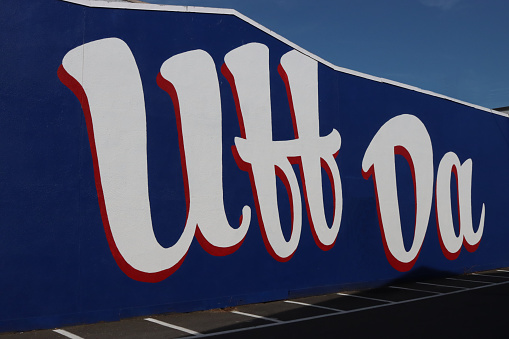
450 243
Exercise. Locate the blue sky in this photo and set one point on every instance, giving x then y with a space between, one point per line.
459 48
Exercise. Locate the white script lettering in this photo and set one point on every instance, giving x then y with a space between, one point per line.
406 135
104 76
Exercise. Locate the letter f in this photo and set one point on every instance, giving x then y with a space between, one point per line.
247 70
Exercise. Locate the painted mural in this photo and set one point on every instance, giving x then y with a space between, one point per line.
196 160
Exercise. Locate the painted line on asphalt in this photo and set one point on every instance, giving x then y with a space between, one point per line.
506 271
470 280
257 316
490 276
175 327
363 297
414 289
351 311
67 334
440 285
312 305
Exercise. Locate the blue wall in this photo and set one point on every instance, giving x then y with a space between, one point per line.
56 261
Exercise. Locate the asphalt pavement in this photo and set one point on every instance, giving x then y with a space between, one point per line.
466 306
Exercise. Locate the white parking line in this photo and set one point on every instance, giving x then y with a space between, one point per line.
257 316
470 280
439 285
175 327
506 271
491 276
363 297
414 289
67 334
352 311
311 305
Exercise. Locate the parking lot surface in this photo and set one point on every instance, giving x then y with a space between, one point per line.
466 306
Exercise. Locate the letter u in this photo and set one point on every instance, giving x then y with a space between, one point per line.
104 76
